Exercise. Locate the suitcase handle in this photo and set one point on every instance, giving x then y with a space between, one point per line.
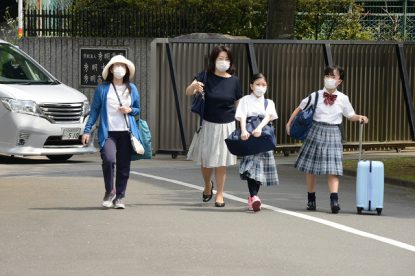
360 139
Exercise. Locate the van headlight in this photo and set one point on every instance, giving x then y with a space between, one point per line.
21 106
85 108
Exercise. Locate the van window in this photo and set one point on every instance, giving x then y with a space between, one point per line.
16 68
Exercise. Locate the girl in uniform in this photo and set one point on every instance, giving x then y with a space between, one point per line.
257 169
322 151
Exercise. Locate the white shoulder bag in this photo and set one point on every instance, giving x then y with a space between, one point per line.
135 143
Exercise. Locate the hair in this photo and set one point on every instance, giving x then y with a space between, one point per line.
329 71
257 76
214 55
125 79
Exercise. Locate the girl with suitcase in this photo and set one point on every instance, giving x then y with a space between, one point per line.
322 151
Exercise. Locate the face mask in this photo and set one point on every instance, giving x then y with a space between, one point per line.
260 90
119 72
223 65
330 83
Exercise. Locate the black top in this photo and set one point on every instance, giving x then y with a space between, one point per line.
220 97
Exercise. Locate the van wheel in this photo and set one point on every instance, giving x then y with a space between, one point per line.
62 157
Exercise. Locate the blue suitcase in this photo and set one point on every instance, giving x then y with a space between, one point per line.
370 183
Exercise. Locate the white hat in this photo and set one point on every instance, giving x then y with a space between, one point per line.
119 59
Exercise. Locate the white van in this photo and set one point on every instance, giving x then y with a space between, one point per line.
39 116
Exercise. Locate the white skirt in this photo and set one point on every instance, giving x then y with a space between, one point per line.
208 147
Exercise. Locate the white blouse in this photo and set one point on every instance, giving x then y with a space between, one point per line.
250 105
331 114
116 121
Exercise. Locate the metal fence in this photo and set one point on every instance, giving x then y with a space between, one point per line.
385 19
108 23
380 78
390 19
294 69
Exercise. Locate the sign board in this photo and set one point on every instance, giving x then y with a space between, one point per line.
93 62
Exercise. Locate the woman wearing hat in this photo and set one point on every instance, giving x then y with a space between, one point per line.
115 102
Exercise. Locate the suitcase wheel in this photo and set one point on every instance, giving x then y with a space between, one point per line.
360 209
379 211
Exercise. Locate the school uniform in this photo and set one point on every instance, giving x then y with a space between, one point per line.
260 167
322 151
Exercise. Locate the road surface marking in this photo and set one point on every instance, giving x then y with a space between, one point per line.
294 214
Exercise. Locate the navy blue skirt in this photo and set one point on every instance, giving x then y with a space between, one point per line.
322 151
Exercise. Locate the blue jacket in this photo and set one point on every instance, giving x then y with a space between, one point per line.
99 109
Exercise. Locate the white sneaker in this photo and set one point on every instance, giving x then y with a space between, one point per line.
107 201
118 204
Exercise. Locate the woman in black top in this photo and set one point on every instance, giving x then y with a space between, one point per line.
222 91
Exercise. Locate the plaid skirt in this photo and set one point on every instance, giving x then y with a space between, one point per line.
260 167
322 151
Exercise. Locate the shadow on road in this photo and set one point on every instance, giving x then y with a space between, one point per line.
38 160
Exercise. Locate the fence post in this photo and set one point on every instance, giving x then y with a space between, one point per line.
253 67
403 72
176 97
328 56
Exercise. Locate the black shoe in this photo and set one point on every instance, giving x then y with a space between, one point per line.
335 206
206 198
311 206
219 204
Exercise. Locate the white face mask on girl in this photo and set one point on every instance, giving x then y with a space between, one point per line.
222 65
260 90
330 83
119 72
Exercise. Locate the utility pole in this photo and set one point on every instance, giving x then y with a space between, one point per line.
20 18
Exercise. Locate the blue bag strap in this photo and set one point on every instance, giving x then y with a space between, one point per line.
309 100
266 104
315 101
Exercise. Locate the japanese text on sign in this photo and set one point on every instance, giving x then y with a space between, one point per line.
93 62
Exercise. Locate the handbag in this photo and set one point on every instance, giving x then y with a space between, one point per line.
198 102
146 138
135 143
304 120
254 145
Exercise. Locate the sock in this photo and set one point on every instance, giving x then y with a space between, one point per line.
334 197
312 196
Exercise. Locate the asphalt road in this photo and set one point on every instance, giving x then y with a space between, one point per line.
52 224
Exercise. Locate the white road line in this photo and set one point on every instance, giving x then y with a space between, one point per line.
295 214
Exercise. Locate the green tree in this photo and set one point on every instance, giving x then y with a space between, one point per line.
242 17
330 20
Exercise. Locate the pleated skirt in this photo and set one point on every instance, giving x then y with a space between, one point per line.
322 151
260 167
208 147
